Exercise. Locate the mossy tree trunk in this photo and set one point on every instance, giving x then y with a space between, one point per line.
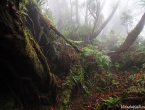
132 36
24 69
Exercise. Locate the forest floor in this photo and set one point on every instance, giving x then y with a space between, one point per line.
122 88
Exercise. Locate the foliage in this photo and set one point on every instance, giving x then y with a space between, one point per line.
77 32
76 42
104 82
71 85
138 82
116 65
140 49
112 102
139 44
62 57
39 2
78 75
126 19
65 94
48 13
92 53
66 33
113 40
141 3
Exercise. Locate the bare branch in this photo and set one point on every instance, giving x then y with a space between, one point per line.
59 34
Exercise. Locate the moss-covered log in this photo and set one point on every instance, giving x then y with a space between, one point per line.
24 71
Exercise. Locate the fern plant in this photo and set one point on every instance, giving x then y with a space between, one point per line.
97 56
78 76
65 94
116 65
112 103
138 82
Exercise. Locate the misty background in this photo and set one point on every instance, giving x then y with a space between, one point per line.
61 10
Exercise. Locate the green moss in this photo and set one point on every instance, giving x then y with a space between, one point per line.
22 52
65 95
30 52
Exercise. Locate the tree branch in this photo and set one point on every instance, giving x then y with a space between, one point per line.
105 23
59 34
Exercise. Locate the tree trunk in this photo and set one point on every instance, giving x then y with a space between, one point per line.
77 12
106 22
71 12
24 70
132 36
86 14
96 17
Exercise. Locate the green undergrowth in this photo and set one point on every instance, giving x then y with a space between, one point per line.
69 87
79 81
112 103
93 73
92 53
65 94
82 75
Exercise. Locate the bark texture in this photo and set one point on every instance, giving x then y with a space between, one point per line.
24 70
132 36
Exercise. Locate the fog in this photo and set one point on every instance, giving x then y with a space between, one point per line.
136 13
61 9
